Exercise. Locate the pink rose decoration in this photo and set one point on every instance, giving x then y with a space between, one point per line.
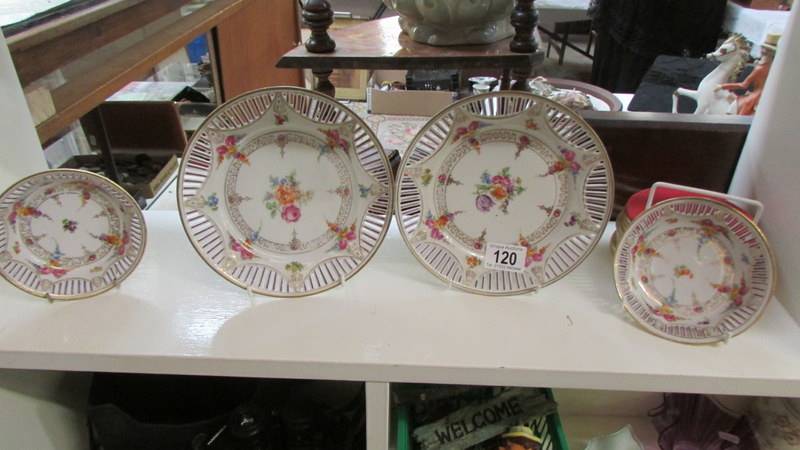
342 244
502 181
290 213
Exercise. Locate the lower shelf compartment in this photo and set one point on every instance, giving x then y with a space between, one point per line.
51 410
48 410
428 417
474 417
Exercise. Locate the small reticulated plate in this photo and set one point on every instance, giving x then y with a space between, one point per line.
68 234
694 270
285 192
505 168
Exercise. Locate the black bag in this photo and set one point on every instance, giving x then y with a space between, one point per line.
156 412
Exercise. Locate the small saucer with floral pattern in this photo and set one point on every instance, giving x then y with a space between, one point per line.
68 234
694 270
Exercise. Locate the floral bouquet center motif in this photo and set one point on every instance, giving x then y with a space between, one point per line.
499 189
286 197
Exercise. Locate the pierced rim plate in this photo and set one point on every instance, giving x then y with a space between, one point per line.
285 192
506 168
67 234
694 270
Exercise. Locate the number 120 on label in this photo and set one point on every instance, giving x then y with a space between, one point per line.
504 257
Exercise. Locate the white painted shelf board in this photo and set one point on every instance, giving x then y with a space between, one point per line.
393 322
165 197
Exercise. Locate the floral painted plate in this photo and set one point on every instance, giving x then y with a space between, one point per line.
694 270
504 168
285 192
67 234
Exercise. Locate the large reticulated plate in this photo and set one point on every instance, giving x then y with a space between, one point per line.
694 270
505 168
285 192
67 234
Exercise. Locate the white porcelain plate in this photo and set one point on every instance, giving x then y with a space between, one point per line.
285 192
694 270
68 234
504 168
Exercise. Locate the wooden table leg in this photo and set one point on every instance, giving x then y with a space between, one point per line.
324 84
505 81
520 76
318 15
524 19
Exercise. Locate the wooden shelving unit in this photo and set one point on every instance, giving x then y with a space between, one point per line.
81 94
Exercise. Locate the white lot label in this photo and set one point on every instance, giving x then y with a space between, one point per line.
505 257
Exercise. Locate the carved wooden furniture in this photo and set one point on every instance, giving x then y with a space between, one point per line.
524 19
318 15
379 44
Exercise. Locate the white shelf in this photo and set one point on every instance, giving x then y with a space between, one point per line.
165 197
393 322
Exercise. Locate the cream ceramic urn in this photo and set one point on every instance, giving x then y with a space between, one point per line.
454 22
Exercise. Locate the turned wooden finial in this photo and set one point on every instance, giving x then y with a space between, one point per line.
318 15
524 19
